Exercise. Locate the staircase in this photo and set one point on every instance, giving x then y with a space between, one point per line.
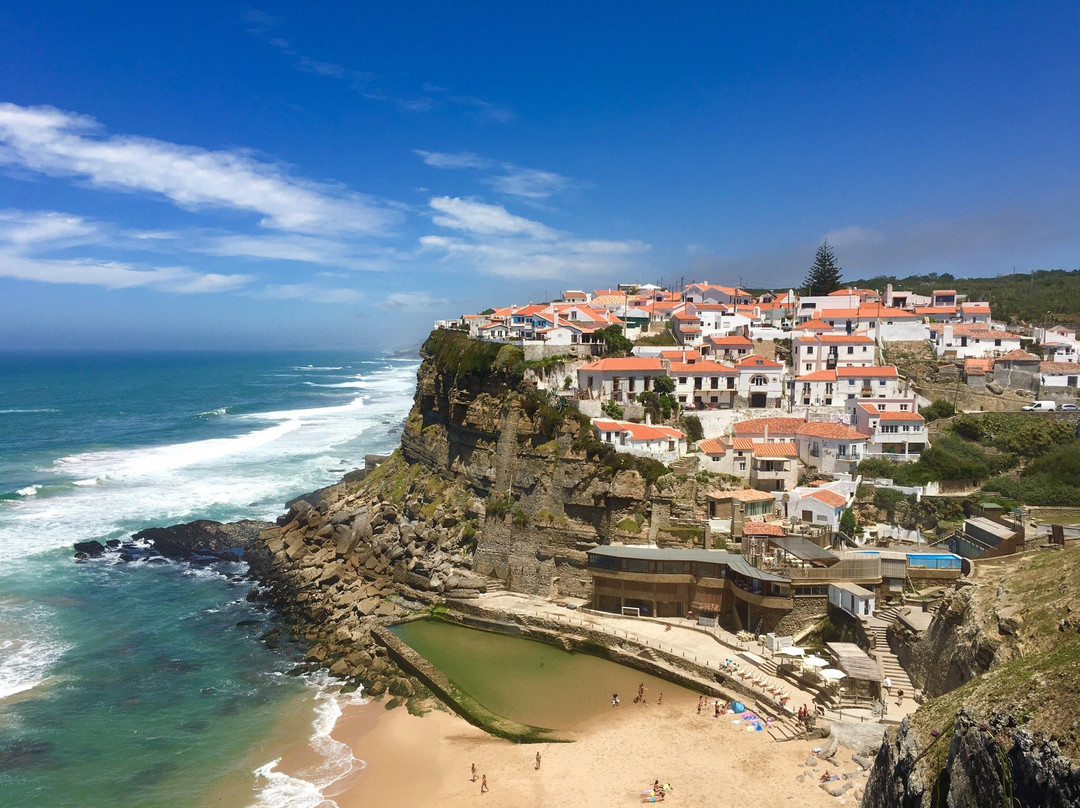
877 628
687 465
494 585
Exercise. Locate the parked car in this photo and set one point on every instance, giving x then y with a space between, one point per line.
1040 406
1069 407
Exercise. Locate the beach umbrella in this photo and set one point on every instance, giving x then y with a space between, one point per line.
791 651
815 662
832 674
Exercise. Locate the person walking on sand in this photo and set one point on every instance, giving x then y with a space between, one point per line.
661 699
474 772
483 784
537 760
699 699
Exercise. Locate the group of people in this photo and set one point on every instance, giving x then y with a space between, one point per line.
656 793
483 777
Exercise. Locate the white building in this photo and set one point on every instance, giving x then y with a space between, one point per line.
1060 375
825 388
620 378
811 352
830 447
816 506
894 428
715 293
761 381
972 341
661 443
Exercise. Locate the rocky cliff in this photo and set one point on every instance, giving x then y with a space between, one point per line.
1002 658
493 481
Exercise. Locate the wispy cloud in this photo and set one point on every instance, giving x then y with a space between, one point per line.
371 85
494 241
509 179
412 301
64 144
29 241
311 292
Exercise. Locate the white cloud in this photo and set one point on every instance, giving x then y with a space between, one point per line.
496 242
25 230
485 219
412 300
116 275
62 144
27 238
528 183
311 292
461 160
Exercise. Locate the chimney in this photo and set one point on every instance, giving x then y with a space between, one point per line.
648 418
766 438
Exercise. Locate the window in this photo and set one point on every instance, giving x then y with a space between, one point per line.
759 381
851 350
997 343
851 382
889 429
588 381
841 450
742 466
809 366
903 407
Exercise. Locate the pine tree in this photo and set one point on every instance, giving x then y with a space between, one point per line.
824 274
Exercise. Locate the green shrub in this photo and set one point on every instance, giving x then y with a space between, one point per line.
693 428
628 525
938 409
612 409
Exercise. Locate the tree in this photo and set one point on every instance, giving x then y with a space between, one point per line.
615 343
847 523
824 274
694 430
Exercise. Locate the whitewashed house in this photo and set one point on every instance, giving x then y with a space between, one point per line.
812 352
662 443
761 382
894 428
620 378
972 341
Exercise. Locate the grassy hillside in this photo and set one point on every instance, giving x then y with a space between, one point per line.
1051 295
1018 459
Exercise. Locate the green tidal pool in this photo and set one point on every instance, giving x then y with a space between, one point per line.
529 681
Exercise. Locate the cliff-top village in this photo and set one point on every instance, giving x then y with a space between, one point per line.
787 394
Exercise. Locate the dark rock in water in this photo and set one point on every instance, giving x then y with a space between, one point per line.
203 560
232 554
182 541
114 543
157 560
244 623
252 595
92 548
19 753
81 556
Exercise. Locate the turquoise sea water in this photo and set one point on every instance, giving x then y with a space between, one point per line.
146 684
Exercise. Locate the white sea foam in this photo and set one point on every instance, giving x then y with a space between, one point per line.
30 490
27 652
17 411
307 368
218 412
112 493
356 384
336 770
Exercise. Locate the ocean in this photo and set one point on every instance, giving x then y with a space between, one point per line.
126 684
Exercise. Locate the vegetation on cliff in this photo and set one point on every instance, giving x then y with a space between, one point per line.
1020 458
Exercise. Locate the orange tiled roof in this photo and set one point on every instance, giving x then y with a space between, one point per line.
1018 356
830 498
826 429
896 415
882 372
1059 367
714 446
785 449
638 363
763 529
776 426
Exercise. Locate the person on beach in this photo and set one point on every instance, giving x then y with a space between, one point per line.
899 698
483 784
887 684
537 760
716 712
699 700
474 772
661 699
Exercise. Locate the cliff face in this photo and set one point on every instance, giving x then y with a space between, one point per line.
975 762
491 480
1002 658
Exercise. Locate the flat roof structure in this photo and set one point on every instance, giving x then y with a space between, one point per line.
853 661
736 563
803 549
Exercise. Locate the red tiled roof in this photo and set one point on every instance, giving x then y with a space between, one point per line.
763 449
830 498
1059 367
896 415
824 429
1018 356
882 372
977 367
818 376
763 529
638 363
758 361
742 444
732 341
743 495
776 426
715 446
814 325
704 367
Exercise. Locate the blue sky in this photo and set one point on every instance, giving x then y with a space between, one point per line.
336 175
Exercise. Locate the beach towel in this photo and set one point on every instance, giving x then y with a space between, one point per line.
738 707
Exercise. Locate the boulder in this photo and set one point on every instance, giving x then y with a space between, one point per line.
92 549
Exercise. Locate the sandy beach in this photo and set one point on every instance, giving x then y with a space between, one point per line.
420 761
